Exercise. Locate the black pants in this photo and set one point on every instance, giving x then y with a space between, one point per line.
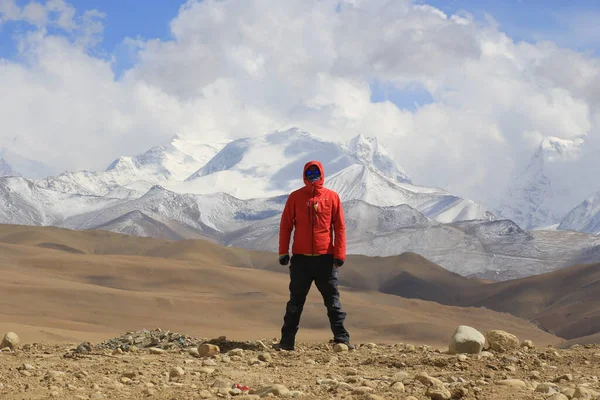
303 270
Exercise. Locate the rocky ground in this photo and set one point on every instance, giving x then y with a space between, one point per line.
164 365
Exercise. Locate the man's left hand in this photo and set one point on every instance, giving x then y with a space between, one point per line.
338 263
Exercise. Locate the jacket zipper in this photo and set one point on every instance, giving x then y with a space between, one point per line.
313 223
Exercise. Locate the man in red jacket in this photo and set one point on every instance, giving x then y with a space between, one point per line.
319 249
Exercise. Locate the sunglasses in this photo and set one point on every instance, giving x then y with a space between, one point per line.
311 173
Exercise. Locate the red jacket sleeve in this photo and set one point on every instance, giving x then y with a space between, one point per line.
286 225
339 229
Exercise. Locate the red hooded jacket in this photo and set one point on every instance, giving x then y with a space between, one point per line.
317 216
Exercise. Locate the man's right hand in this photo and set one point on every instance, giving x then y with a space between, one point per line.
284 259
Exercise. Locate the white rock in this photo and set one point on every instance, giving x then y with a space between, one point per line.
466 340
11 340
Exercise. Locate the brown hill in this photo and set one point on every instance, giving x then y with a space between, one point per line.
71 285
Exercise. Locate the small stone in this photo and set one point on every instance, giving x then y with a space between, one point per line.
528 344
206 370
565 377
362 390
208 350
502 341
254 361
54 394
149 392
194 352
558 396
535 375
429 381
27 367
438 394
55 375
235 392
277 390
397 387
125 380
584 393
222 384
340 347
374 397
236 352
546 388
156 350
83 348
512 382
176 372
98 396
266 357
209 362
485 355
371 345
400 376
11 340
462 358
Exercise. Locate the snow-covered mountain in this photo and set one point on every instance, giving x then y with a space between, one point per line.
25 203
272 165
369 152
6 169
362 182
497 249
542 193
174 161
585 217
234 193
22 166
209 215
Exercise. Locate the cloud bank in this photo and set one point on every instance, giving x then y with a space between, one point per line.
237 68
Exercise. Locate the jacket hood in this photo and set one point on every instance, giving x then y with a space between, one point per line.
318 184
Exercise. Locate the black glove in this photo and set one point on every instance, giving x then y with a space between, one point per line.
284 259
338 263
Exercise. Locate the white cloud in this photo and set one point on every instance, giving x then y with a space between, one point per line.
9 10
244 67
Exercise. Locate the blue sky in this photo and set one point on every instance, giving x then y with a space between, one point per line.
570 23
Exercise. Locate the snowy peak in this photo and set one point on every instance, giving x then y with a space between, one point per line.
554 149
368 151
272 165
585 217
6 169
542 193
28 168
160 162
